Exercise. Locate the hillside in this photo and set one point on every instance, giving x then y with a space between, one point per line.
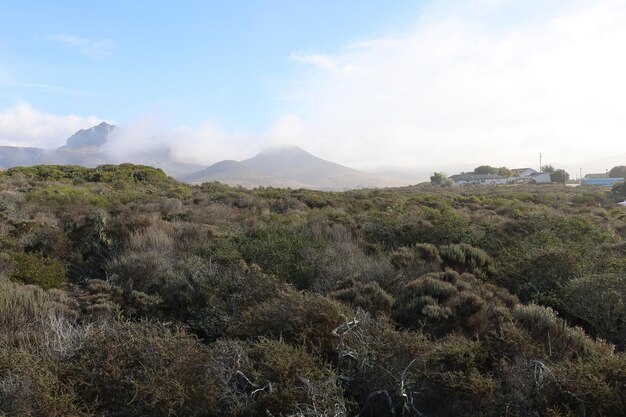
125 292
289 167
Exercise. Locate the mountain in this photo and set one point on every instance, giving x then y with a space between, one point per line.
282 167
85 148
292 167
87 138
82 148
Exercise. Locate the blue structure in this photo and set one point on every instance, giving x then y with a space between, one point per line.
603 182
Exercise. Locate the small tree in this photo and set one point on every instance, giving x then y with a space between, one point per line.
505 172
620 189
548 168
618 172
559 176
485 169
438 178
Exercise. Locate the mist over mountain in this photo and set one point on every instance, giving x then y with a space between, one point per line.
285 166
87 147
82 148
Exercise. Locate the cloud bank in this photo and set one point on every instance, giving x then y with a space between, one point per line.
23 125
457 89
203 144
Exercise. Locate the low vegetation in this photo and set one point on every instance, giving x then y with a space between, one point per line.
126 293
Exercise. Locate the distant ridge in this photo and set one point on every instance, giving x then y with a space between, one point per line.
85 148
289 166
280 167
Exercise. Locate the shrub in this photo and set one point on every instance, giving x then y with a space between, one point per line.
292 253
417 260
441 303
272 378
599 301
32 268
619 189
559 339
148 263
30 385
465 258
347 258
101 301
143 369
298 318
368 296
25 309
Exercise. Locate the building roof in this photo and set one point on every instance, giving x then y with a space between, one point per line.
518 170
469 177
597 176
607 182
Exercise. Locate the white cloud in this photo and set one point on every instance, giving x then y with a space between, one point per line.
322 61
208 143
287 130
203 144
454 89
92 48
23 125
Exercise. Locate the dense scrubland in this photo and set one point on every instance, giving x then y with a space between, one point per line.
125 293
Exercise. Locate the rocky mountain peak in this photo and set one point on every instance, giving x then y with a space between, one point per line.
93 137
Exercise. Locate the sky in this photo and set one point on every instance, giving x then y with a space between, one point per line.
371 84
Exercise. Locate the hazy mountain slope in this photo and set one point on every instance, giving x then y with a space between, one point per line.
11 156
85 148
236 173
82 148
289 167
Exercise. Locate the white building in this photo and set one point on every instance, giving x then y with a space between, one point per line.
479 179
540 178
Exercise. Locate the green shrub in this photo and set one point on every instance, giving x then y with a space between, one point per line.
619 189
32 268
368 296
292 253
559 339
466 258
416 260
441 303
599 301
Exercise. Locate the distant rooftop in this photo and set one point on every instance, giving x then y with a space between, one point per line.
597 176
477 177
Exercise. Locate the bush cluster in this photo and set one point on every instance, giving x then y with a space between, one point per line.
125 293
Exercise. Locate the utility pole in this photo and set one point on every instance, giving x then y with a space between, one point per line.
540 166
580 175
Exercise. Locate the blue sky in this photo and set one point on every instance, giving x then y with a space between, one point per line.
227 60
371 84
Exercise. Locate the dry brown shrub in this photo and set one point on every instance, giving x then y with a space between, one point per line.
298 318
